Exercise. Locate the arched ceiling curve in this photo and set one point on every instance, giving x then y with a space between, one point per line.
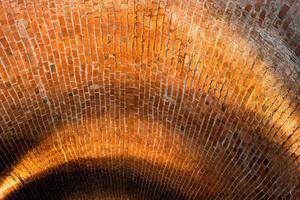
177 99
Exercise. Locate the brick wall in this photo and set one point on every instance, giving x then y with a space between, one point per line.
177 99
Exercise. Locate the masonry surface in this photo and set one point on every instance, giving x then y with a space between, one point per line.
141 99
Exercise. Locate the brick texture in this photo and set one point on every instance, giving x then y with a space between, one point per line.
149 99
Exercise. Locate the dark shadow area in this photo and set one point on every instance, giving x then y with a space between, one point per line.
100 179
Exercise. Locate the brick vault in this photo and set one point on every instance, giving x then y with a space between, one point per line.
150 99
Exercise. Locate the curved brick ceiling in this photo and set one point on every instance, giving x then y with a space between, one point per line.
124 99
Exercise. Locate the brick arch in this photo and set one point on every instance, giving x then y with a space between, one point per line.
209 90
